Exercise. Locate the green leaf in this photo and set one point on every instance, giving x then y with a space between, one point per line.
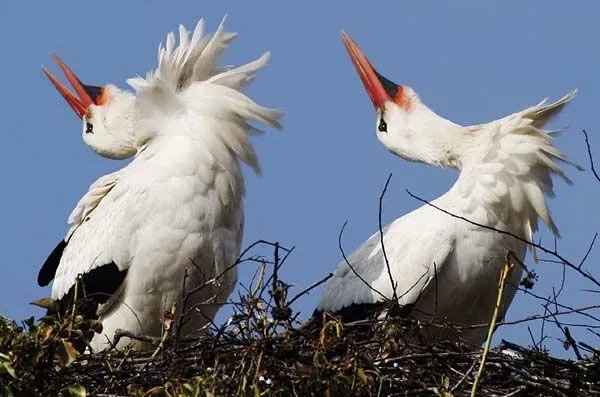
9 369
362 376
66 353
47 303
74 391
445 382
192 389
157 391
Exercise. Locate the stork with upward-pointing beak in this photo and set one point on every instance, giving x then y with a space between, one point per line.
445 267
176 210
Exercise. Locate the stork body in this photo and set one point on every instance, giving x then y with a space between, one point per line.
445 267
172 219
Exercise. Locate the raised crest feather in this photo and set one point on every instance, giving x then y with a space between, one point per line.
188 78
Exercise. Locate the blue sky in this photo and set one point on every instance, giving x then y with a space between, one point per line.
471 61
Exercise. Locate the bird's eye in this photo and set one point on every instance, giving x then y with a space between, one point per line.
382 125
89 128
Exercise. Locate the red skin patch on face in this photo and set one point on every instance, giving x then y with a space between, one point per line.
403 100
103 98
100 101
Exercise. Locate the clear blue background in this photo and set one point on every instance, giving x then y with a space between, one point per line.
471 61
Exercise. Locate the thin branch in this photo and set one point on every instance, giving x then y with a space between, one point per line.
589 250
385 257
573 343
589 348
562 281
536 245
121 333
352 267
533 318
535 344
589 150
278 265
594 332
309 288
275 267
566 332
562 306
543 328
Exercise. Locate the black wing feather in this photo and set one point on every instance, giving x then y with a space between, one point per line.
48 270
93 289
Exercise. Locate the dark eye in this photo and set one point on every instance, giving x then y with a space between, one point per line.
382 125
89 128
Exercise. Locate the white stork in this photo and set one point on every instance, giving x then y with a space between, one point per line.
177 208
445 266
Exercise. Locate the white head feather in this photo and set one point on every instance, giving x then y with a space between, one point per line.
109 127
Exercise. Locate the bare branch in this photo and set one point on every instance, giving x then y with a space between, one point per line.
536 245
309 288
588 250
580 310
385 257
352 267
589 150
121 333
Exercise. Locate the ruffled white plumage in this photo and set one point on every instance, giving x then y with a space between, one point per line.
444 265
179 204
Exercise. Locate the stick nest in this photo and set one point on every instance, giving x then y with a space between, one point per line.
264 350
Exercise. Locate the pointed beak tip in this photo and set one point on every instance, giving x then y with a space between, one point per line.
49 74
345 37
46 72
57 60
79 105
366 72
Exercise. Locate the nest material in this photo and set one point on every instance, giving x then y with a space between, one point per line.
263 350
256 355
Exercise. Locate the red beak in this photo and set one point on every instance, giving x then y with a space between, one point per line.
87 94
378 87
